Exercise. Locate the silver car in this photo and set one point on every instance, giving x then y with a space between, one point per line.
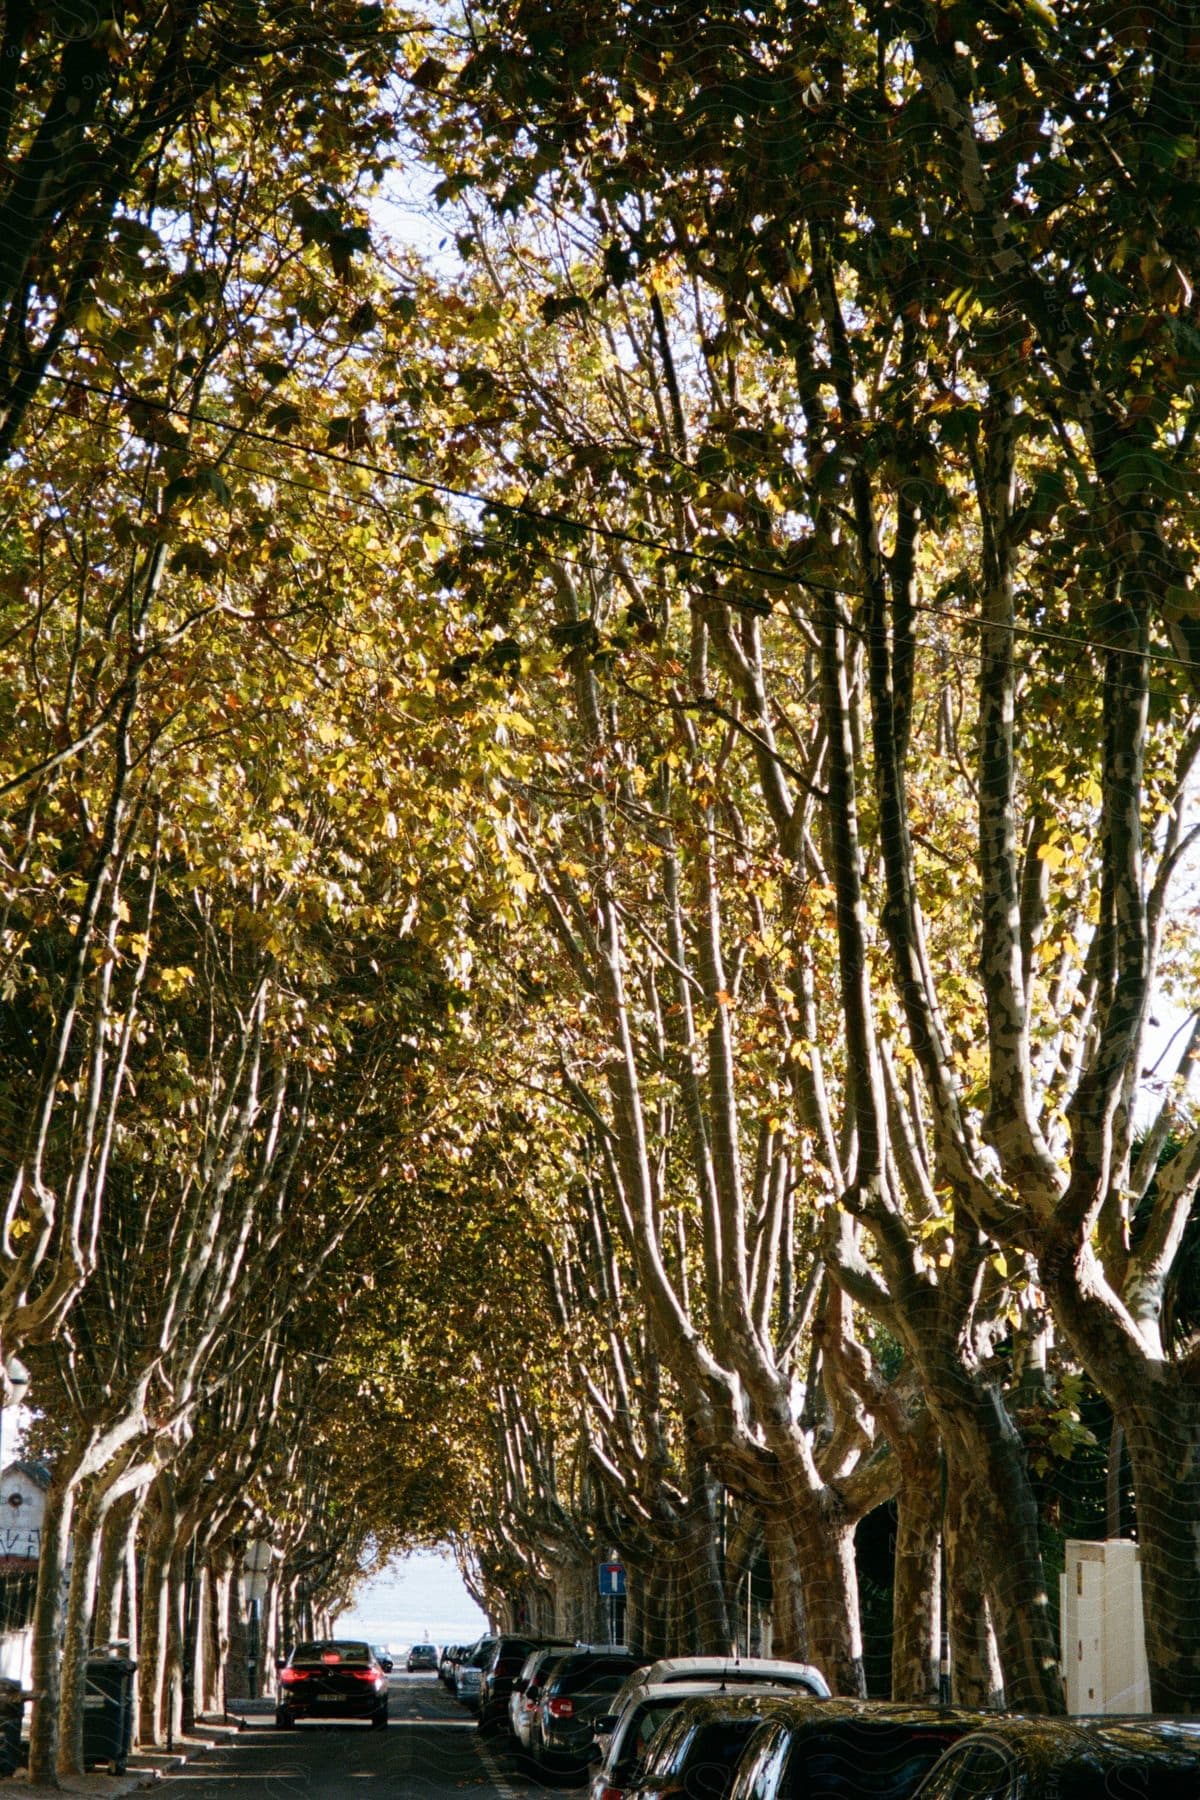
526 1694
468 1672
727 1671
631 1730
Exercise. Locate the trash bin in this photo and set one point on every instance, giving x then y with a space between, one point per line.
108 1711
12 1706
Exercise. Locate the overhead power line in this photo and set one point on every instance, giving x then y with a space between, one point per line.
578 528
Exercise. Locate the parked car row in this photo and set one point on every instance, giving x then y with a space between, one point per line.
558 1702
696 1728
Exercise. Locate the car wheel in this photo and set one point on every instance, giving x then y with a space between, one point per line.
379 1720
284 1720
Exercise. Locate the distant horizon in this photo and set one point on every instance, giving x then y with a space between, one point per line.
418 1599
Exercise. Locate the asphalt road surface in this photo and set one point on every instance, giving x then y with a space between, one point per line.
430 1751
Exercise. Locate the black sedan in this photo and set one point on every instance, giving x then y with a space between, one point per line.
332 1678
1071 1759
845 1749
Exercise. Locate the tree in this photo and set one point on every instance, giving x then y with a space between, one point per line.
102 107
1022 344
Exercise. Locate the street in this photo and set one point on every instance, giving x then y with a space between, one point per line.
431 1748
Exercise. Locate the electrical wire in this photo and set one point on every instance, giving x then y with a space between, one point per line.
563 521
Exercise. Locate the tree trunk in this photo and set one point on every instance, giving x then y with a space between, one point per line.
1008 1547
223 1589
700 1546
200 1674
830 1577
85 1561
132 1586
111 1575
47 1615
814 1587
248 1639
155 1625
648 1608
987 1469
270 1634
173 1662
974 1663
916 1591
789 1621
1163 1438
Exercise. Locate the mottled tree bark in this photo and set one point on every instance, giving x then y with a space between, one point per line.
1163 1434
47 1613
916 1592
975 1674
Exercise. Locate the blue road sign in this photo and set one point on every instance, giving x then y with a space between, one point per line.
612 1579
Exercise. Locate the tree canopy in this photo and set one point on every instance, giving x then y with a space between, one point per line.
597 805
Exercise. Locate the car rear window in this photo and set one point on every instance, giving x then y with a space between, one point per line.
542 1668
709 1756
331 1652
843 1765
587 1676
640 1729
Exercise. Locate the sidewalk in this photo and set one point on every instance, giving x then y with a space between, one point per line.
146 1767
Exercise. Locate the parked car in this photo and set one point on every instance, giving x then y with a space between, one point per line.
449 1657
503 1667
468 1670
1070 1759
625 1745
422 1656
526 1696
730 1671
576 1691
695 1754
332 1678
383 1657
845 1749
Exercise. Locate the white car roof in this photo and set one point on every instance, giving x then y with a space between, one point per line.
734 1669
679 1692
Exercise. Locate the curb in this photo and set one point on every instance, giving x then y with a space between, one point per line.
145 1769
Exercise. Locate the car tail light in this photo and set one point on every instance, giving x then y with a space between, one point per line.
368 1674
530 1705
611 1793
289 1677
560 1708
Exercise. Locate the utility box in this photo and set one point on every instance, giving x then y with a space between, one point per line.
1100 1621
